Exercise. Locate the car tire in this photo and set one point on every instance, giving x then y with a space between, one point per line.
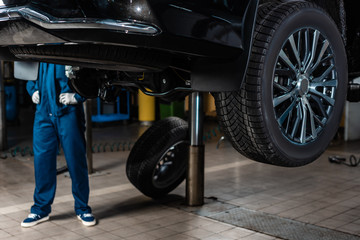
291 102
157 162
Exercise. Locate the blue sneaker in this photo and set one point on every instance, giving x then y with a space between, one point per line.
33 219
87 219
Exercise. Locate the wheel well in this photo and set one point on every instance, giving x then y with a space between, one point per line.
353 37
347 18
333 7
345 15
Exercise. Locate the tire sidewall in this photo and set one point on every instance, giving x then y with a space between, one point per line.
312 18
148 150
149 166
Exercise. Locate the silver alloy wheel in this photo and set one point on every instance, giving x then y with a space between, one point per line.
304 85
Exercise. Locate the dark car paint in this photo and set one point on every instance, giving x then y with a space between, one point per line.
178 18
209 38
216 33
11 3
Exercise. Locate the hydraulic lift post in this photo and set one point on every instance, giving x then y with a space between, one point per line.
195 167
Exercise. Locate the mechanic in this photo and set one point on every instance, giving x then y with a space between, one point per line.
59 120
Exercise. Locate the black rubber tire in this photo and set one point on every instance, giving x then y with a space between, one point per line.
150 149
248 116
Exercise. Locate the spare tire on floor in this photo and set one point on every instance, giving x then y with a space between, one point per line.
157 162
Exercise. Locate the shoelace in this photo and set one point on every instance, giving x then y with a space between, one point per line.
32 215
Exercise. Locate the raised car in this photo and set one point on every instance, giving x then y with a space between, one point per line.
279 70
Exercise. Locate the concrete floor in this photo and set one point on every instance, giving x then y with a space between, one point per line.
243 199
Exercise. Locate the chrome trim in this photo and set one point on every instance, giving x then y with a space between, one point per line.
49 22
196 118
5 15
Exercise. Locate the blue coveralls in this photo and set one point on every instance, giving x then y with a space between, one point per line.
56 124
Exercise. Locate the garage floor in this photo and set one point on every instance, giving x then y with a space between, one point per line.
244 199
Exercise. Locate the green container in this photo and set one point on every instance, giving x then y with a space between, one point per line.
172 109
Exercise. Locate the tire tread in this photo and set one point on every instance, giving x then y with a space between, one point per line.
240 112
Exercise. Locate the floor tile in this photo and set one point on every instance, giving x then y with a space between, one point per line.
319 194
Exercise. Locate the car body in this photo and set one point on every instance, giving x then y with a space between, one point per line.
179 33
209 38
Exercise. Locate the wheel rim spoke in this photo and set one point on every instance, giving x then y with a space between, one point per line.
328 99
294 48
282 98
313 50
321 54
287 112
324 75
280 87
307 43
303 123
286 60
320 106
297 122
312 117
330 83
299 41
304 92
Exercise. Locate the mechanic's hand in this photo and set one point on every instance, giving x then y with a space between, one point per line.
36 97
67 98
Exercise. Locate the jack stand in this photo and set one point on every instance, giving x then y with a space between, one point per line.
195 167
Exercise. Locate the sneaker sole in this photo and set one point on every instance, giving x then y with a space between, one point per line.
30 224
88 224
